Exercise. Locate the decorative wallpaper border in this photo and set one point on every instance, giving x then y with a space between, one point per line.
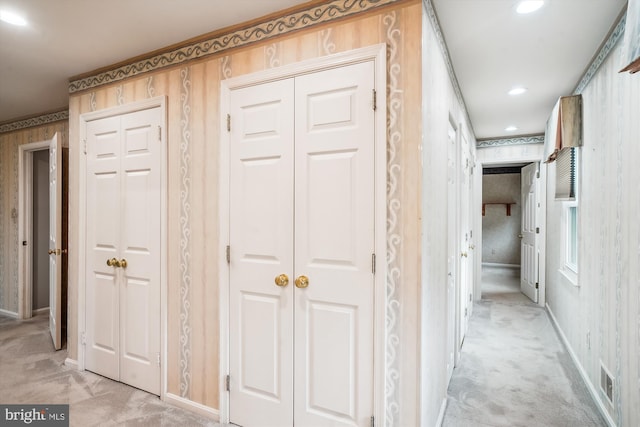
611 42
314 15
394 205
519 140
35 121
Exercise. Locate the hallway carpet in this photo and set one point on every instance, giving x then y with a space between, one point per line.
31 372
513 370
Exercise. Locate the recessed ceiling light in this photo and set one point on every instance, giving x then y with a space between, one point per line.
519 90
510 128
528 6
12 18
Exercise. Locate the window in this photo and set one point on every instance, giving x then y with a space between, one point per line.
567 193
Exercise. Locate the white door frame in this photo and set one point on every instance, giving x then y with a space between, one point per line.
541 219
159 101
25 225
376 53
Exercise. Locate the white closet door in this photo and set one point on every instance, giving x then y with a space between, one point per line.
55 241
334 243
123 227
102 346
140 246
261 239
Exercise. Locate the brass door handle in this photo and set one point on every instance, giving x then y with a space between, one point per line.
123 263
113 262
51 252
282 280
302 282
56 251
464 254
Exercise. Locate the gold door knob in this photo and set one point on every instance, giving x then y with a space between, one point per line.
113 262
282 280
464 254
122 263
51 252
302 282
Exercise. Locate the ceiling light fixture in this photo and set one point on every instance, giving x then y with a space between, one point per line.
510 128
12 18
528 6
518 90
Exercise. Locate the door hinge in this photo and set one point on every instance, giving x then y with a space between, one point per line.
537 230
465 312
227 383
158 358
85 145
537 285
373 263
228 122
538 174
373 421
375 100
159 133
228 254
83 338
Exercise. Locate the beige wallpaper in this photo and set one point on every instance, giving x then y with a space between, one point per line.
600 317
192 90
10 139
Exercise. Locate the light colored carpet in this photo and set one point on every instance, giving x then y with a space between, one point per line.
513 370
31 372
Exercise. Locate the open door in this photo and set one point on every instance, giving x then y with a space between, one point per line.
528 236
55 241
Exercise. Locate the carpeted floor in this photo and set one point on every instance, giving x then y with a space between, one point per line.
31 372
513 370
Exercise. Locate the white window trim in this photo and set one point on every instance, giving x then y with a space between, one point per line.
568 270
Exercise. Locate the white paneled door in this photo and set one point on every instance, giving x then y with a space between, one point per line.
301 246
528 249
123 248
55 241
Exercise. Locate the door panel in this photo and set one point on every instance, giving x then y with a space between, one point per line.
124 155
452 246
140 247
55 242
103 225
528 258
334 243
261 241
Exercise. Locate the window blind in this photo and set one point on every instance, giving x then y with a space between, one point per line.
566 174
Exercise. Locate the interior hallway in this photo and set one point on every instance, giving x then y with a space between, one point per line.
31 372
513 370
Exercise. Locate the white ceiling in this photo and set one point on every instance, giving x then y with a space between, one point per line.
492 48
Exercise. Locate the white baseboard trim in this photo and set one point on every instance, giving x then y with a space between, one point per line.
497 264
40 311
9 313
585 377
71 363
443 408
189 405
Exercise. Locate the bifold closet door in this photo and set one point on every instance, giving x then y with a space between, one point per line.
123 248
261 240
301 246
334 244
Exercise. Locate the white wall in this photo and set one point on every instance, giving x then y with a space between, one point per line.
606 303
440 103
500 241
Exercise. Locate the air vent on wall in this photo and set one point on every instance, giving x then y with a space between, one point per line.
606 383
